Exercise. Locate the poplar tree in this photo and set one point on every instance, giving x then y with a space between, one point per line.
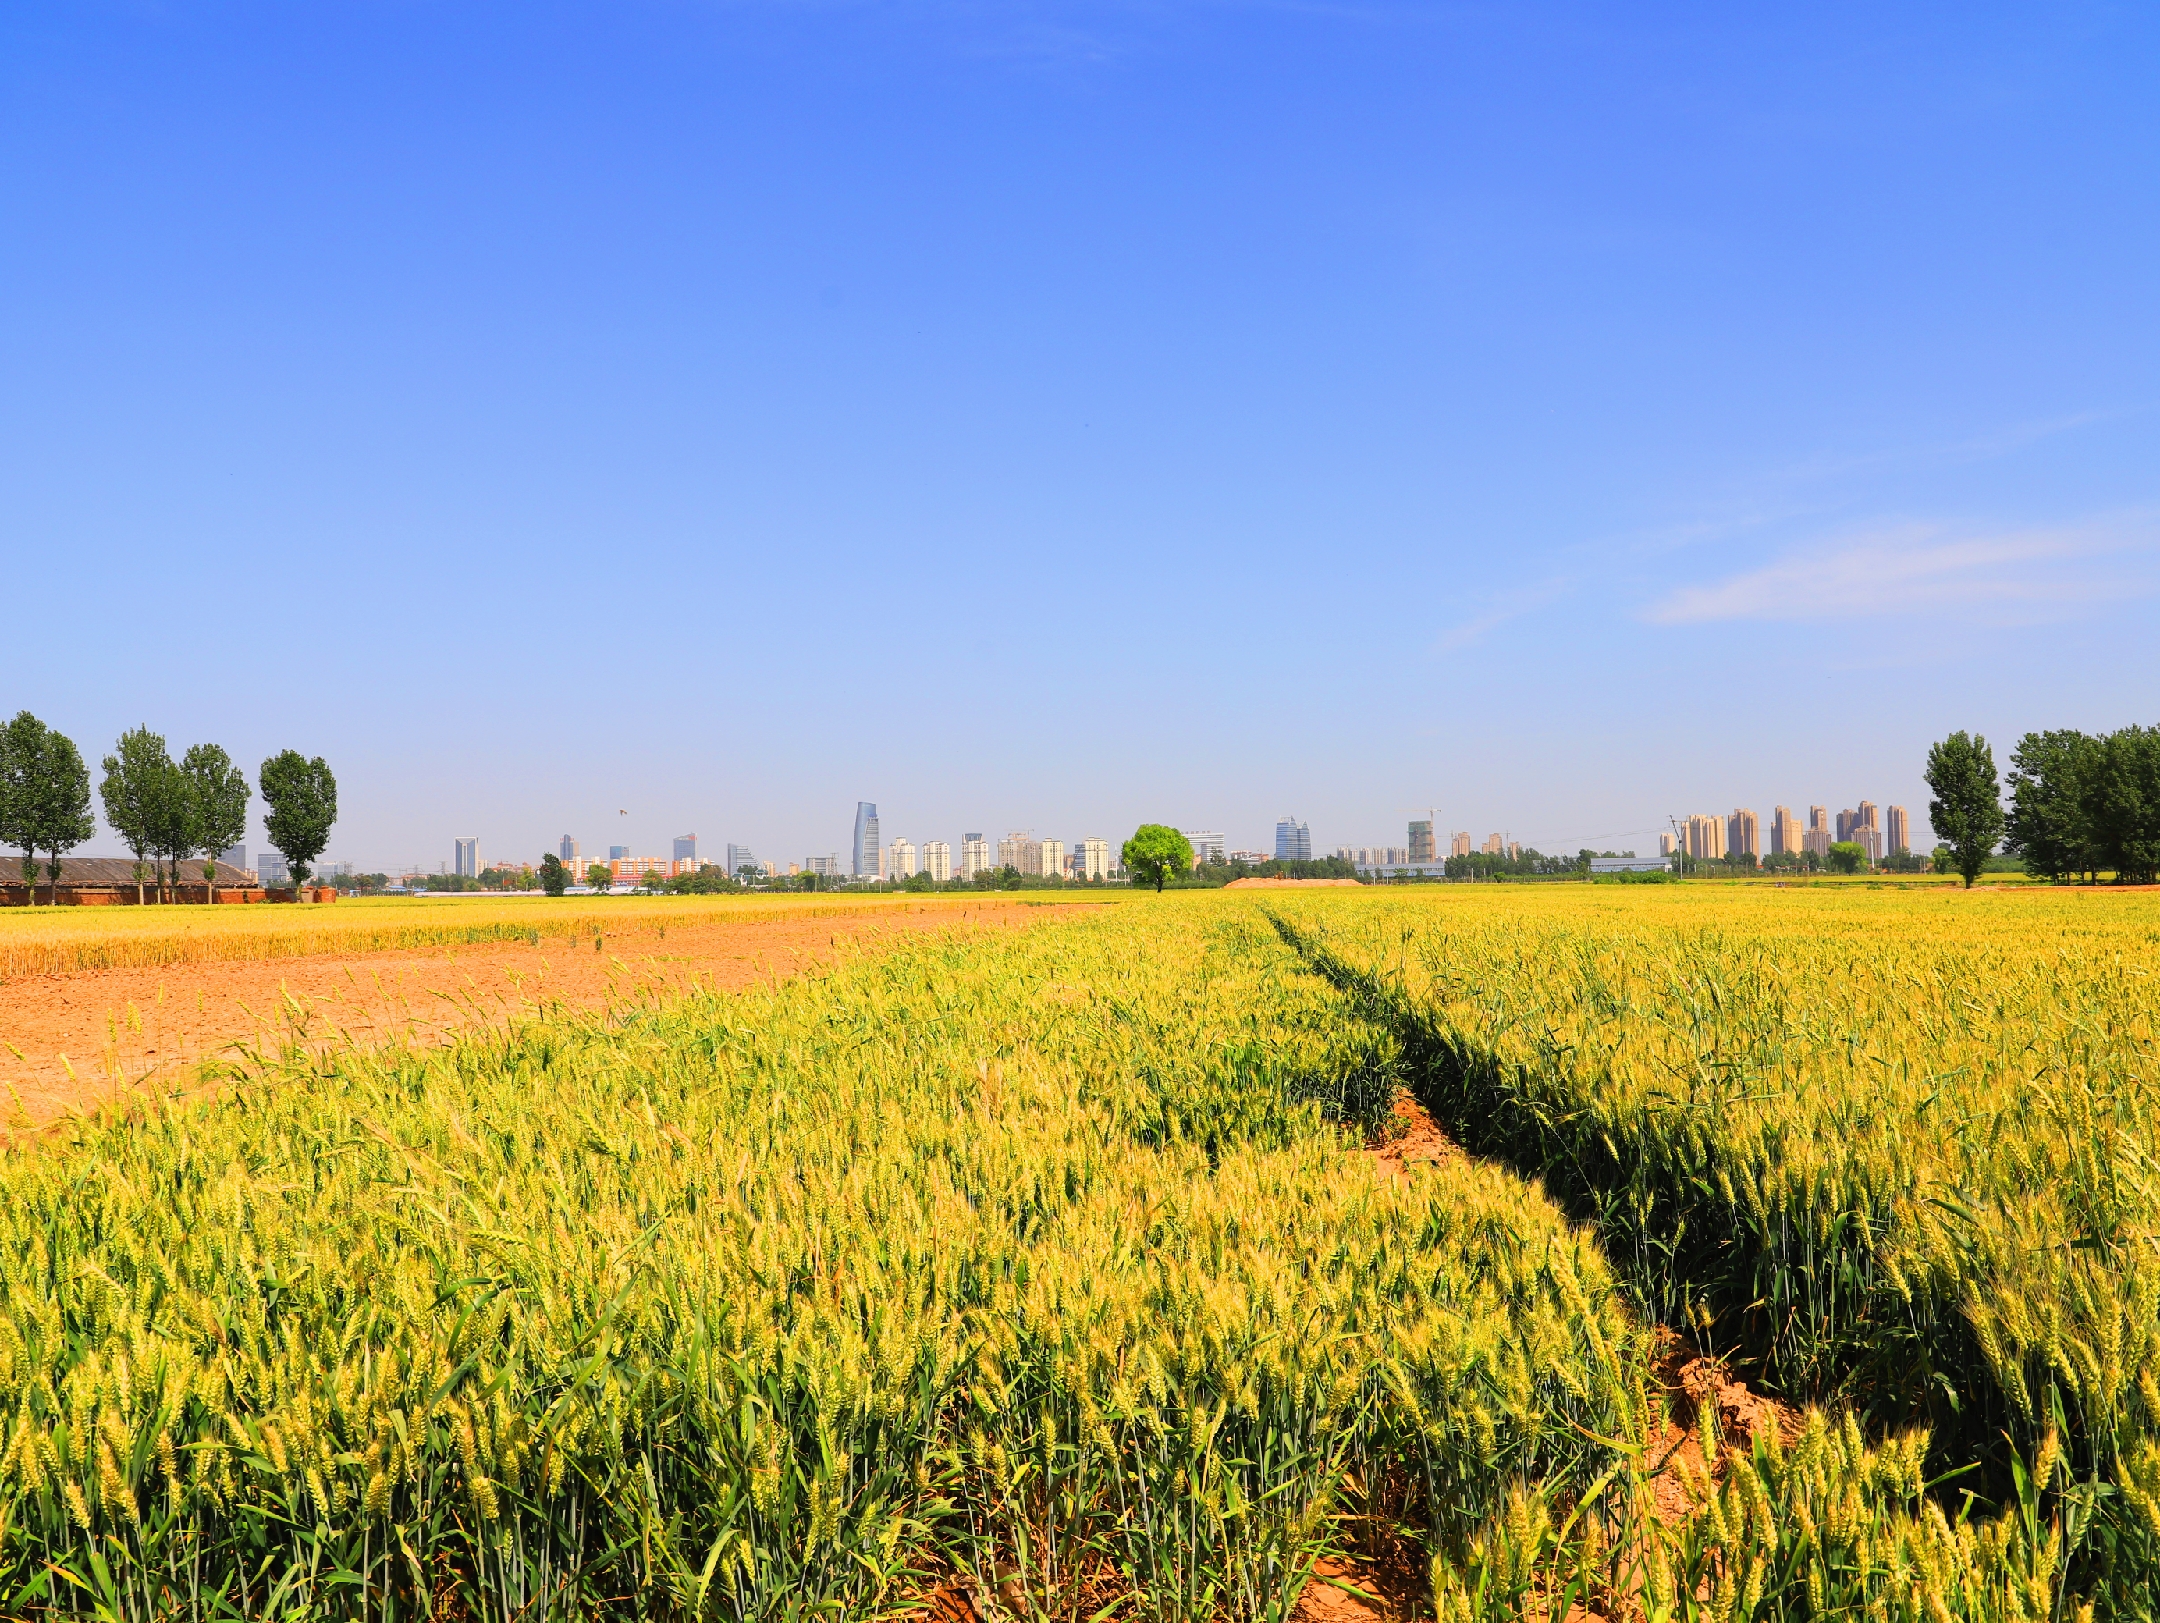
44 798
301 795
1967 809
138 777
217 793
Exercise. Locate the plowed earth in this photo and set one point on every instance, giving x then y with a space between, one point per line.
74 1042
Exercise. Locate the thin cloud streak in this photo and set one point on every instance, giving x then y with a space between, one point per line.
1926 569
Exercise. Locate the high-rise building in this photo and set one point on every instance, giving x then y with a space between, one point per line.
866 841
468 859
1459 845
936 860
1784 832
1897 830
1706 838
568 852
236 855
1421 838
1817 838
1495 845
1743 834
686 848
1293 841
1667 845
974 856
740 857
271 870
1094 859
1208 845
900 860
618 853
1050 857
828 866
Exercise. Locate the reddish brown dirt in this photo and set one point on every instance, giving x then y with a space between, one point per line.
74 1042
1690 1381
1413 1139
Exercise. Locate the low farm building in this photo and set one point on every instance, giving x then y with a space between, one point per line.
90 881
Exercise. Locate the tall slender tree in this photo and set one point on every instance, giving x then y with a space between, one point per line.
137 775
218 798
302 798
22 748
64 820
1967 809
44 798
172 829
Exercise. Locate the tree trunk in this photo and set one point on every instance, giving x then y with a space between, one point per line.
210 879
139 901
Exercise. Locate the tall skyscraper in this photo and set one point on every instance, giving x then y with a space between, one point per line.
468 859
740 857
1784 831
1743 834
1421 838
1897 830
568 852
1817 839
936 860
686 848
866 840
1706 838
1293 841
974 856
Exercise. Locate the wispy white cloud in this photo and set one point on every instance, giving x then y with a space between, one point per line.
1499 609
1931 569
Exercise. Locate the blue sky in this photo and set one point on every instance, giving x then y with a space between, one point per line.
1060 416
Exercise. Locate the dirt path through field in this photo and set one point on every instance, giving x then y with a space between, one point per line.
73 1042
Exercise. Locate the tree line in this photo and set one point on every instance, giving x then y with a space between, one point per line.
2081 804
166 812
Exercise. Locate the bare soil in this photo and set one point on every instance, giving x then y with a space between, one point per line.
1412 1138
76 1042
1692 1380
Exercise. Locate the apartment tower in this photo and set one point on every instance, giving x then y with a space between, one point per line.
1421 839
1743 834
1784 832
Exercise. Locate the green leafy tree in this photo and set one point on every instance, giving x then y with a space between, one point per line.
172 829
2124 804
600 876
44 798
138 777
1847 856
1155 853
554 874
1966 812
301 795
217 793
2054 779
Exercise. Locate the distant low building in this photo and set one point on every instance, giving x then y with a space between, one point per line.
1207 845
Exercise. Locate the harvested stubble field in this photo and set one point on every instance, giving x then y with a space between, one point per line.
1104 1270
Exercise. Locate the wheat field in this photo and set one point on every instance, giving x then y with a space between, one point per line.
1050 1269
